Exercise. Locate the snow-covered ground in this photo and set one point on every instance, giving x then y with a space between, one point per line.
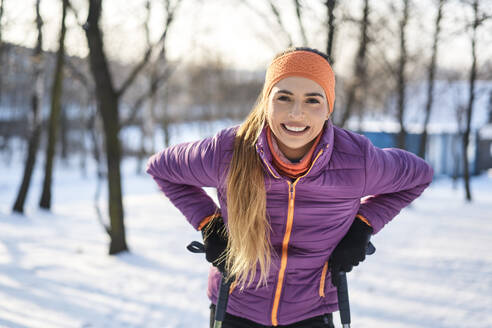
432 268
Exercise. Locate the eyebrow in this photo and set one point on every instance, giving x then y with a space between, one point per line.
314 94
285 91
311 94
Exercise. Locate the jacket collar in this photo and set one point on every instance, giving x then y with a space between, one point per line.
325 146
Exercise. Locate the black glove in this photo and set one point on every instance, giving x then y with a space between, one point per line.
351 250
215 241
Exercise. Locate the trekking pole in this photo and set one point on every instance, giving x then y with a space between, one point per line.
223 298
342 292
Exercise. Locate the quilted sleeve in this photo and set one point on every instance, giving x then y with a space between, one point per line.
393 179
182 170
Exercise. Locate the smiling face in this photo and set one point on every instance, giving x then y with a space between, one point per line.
296 111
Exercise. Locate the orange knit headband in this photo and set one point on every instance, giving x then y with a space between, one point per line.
302 63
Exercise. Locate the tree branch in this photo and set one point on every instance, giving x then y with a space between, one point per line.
1 22
76 72
133 75
276 12
156 79
299 19
156 84
266 19
150 49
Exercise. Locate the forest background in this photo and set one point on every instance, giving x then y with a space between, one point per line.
88 86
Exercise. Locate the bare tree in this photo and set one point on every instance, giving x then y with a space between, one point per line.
162 79
489 120
165 120
479 17
1 46
93 126
56 95
108 98
80 73
330 9
1 22
159 71
358 82
280 26
35 124
297 4
401 78
431 77
454 78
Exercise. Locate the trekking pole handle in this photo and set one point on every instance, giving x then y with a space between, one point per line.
342 292
225 284
343 299
196 247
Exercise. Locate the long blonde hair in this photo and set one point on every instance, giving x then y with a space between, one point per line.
249 229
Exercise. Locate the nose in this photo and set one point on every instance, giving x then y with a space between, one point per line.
296 111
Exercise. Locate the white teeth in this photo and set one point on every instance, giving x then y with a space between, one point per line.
295 128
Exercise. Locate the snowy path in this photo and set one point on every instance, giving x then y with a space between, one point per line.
432 268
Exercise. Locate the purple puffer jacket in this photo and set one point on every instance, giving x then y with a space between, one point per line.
309 216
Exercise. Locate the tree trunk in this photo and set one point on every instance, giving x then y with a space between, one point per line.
1 50
64 134
160 73
430 80
349 103
360 72
56 95
165 116
147 128
330 8
455 148
36 103
147 124
401 138
471 99
107 103
85 115
489 121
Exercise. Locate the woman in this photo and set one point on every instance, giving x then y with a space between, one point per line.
292 193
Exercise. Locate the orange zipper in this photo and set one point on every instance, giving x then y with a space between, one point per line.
322 281
285 243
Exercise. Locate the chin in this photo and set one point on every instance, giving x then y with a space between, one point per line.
296 146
